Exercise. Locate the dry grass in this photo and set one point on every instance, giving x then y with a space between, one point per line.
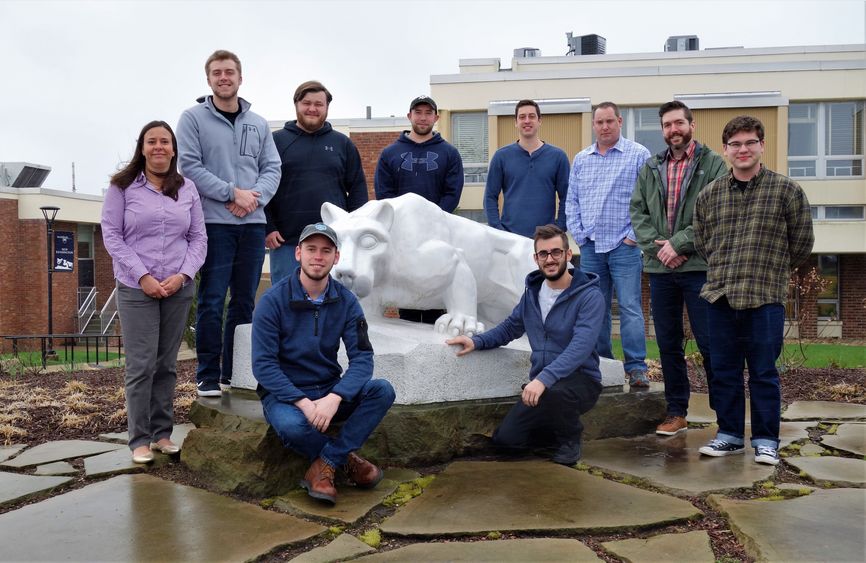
849 392
186 387
78 402
75 387
75 420
119 394
13 417
9 432
118 416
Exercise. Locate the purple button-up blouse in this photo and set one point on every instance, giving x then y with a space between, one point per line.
146 232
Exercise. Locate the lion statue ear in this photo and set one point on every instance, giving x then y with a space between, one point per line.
331 213
384 214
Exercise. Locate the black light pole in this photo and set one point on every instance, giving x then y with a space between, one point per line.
49 212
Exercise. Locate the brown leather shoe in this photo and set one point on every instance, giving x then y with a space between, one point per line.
319 481
672 425
363 473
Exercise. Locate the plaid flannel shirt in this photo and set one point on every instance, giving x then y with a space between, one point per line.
676 173
752 238
599 193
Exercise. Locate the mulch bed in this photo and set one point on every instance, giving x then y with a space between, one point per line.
82 405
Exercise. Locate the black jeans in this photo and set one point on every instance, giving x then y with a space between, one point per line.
556 418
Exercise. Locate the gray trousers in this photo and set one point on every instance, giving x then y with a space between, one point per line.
152 330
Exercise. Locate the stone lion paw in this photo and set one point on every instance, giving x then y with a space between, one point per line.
457 324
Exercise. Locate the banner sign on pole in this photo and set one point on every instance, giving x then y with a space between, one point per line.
64 251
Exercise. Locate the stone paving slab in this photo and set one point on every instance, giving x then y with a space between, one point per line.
690 546
811 450
824 410
56 468
119 461
826 525
61 449
790 432
142 518
8 451
344 547
848 438
476 496
178 435
505 551
14 486
352 503
839 470
674 462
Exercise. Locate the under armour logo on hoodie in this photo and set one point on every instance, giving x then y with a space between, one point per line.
409 161
329 148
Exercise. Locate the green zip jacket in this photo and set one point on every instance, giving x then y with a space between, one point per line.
649 208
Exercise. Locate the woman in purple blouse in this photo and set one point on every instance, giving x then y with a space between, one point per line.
153 228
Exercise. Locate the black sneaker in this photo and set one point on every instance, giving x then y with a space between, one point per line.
567 454
208 389
767 455
719 448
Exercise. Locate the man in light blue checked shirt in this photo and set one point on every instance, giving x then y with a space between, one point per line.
597 209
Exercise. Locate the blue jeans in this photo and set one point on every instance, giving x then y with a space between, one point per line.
361 417
619 269
668 292
283 262
752 337
235 254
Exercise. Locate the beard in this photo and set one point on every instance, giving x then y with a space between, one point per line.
686 139
315 276
559 272
310 123
422 130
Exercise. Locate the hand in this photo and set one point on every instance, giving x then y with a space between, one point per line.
326 408
467 344
151 287
532 392
307 407
236 209
629 242
246 199
668 256
274 240
172 284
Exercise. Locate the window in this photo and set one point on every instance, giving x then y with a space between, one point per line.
469 135
828 300
825 140
838 212
642 125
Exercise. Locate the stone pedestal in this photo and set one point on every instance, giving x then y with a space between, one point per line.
423 369
235 450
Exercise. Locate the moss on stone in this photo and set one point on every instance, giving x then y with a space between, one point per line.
372 537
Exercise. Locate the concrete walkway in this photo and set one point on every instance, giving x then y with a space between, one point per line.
640 489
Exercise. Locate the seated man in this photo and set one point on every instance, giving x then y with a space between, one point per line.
297 327
561 312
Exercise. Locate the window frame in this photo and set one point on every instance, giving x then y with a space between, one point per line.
822 160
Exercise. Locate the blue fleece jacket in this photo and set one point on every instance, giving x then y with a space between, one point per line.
220 157
317 167
295 342
432 169
565 342
529 184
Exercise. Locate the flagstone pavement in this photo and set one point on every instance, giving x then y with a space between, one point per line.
643 489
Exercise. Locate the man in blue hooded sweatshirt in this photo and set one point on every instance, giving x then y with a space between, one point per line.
561 312
420 161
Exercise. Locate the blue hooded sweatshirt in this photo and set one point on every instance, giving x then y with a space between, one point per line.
218 157
295 342
565 342
432 169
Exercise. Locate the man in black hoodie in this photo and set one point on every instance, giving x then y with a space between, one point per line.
420 161
319 165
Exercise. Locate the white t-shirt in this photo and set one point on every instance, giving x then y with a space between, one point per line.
546 298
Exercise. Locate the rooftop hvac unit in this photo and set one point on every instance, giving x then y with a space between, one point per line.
586 44
682 43
524 52
22 174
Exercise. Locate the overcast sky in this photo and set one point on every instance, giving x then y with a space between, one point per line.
82 78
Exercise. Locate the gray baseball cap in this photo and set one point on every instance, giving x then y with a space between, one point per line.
423 99
319 229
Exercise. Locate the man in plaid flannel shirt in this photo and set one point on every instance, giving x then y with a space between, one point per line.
752 226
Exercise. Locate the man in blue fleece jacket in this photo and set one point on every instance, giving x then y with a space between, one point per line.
530 174
420 161
297 328
561 312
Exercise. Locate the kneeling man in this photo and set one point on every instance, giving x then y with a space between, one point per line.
561 311
297 328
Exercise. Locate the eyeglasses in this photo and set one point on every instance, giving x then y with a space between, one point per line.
556 253
736 145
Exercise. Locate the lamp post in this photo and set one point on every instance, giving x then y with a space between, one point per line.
49 212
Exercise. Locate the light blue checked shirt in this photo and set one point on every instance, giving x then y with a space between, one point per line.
599 193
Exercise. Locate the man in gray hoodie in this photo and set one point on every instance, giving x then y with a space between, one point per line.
229 153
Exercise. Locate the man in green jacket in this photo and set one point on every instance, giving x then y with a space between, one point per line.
662 206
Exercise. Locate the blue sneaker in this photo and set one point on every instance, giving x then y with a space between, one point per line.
766 455
208 389
719 448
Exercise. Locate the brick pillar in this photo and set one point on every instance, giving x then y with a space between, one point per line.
852 295
370 145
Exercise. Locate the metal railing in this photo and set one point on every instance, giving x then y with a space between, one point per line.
87 308
100 344
108 313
